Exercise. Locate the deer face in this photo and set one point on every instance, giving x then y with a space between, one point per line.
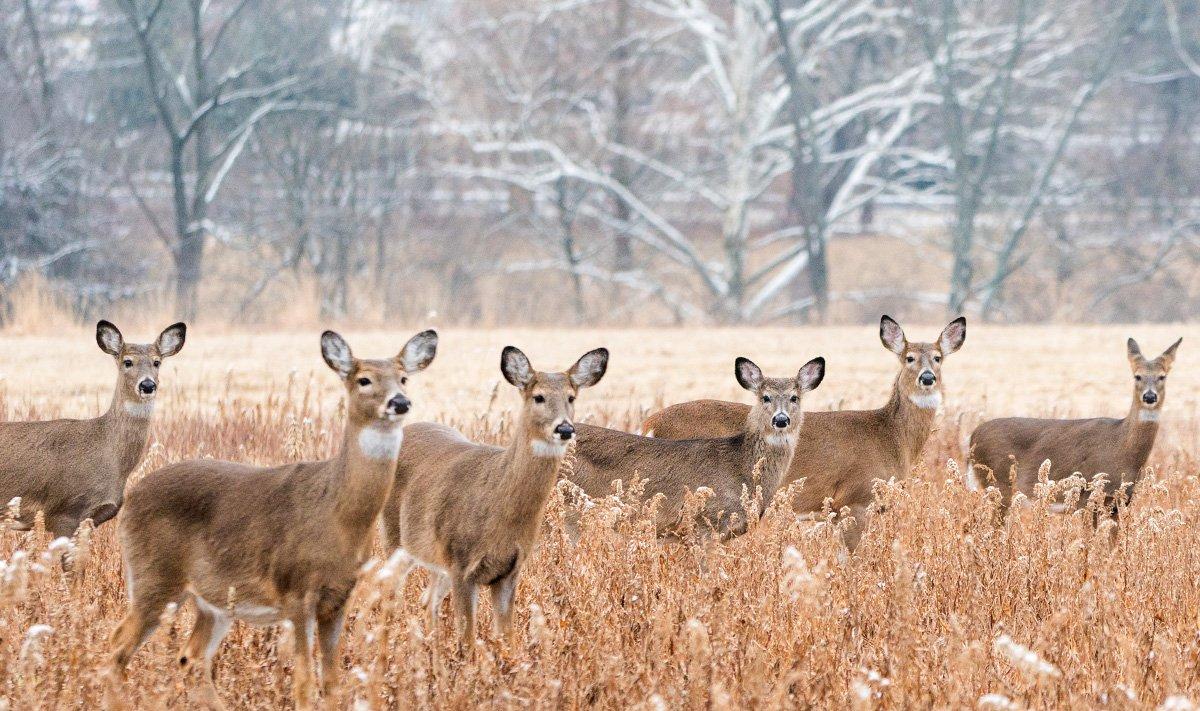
548 399
777 411
138 363
921 363
376 390
1150 378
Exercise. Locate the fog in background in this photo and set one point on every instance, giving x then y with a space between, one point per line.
601 161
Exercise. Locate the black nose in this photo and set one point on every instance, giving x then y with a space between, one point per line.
927 378
147 387
398 405
781 420
1149 397
565 431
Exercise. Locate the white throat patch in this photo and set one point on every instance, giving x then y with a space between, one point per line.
380 443
781 439
927 401
139 409
548 448
1148 415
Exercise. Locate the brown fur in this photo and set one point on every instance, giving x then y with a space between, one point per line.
1008 452
76 469
725 464
840 454
469 512
269 544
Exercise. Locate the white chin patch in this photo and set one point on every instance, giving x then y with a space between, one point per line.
927 401
1148 415
781 439
378 443
548 448
139 409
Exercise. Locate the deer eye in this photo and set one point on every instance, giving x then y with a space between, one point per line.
571 399
364 382
795 398
157 363
937 359
128 363
539 399
766 398
910 359
404 381
1162 378
1137 378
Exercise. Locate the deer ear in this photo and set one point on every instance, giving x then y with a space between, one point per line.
748 375
1168 356
590 367
170 341
892 335
953 336
1133 351
811 374
515 367
337 353
109 338
418 353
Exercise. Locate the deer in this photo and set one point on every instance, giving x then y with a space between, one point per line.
1007 453
840 454
74 470
730 465
274 544
470 513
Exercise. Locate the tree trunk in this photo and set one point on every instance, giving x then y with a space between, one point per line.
189 265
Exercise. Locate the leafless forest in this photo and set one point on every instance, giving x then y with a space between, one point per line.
601 161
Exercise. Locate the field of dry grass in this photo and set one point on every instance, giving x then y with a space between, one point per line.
938 608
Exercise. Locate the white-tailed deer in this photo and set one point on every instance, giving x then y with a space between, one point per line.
470 513
76 469
727 464
840 454
1008 452
267 545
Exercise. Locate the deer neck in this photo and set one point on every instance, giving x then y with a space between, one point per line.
125 429
363 471
910 419
523 483
1141 429
770 452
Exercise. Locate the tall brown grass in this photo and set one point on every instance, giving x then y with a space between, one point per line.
939 607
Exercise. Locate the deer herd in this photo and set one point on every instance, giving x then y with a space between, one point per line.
287 543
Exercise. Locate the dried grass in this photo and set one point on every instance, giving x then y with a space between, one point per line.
939 607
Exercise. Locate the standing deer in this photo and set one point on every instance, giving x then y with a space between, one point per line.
76 469
1008 452
757 455
470 513
275 544
840 454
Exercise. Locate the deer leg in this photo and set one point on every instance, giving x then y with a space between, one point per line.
466 595
104 512
329 631
141 621
852 532
439 587
211 627
503 591
302 630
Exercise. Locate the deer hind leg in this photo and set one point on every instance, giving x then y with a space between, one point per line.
146 603
330 617
211 627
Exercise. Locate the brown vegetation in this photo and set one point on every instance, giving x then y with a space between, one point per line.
937 608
